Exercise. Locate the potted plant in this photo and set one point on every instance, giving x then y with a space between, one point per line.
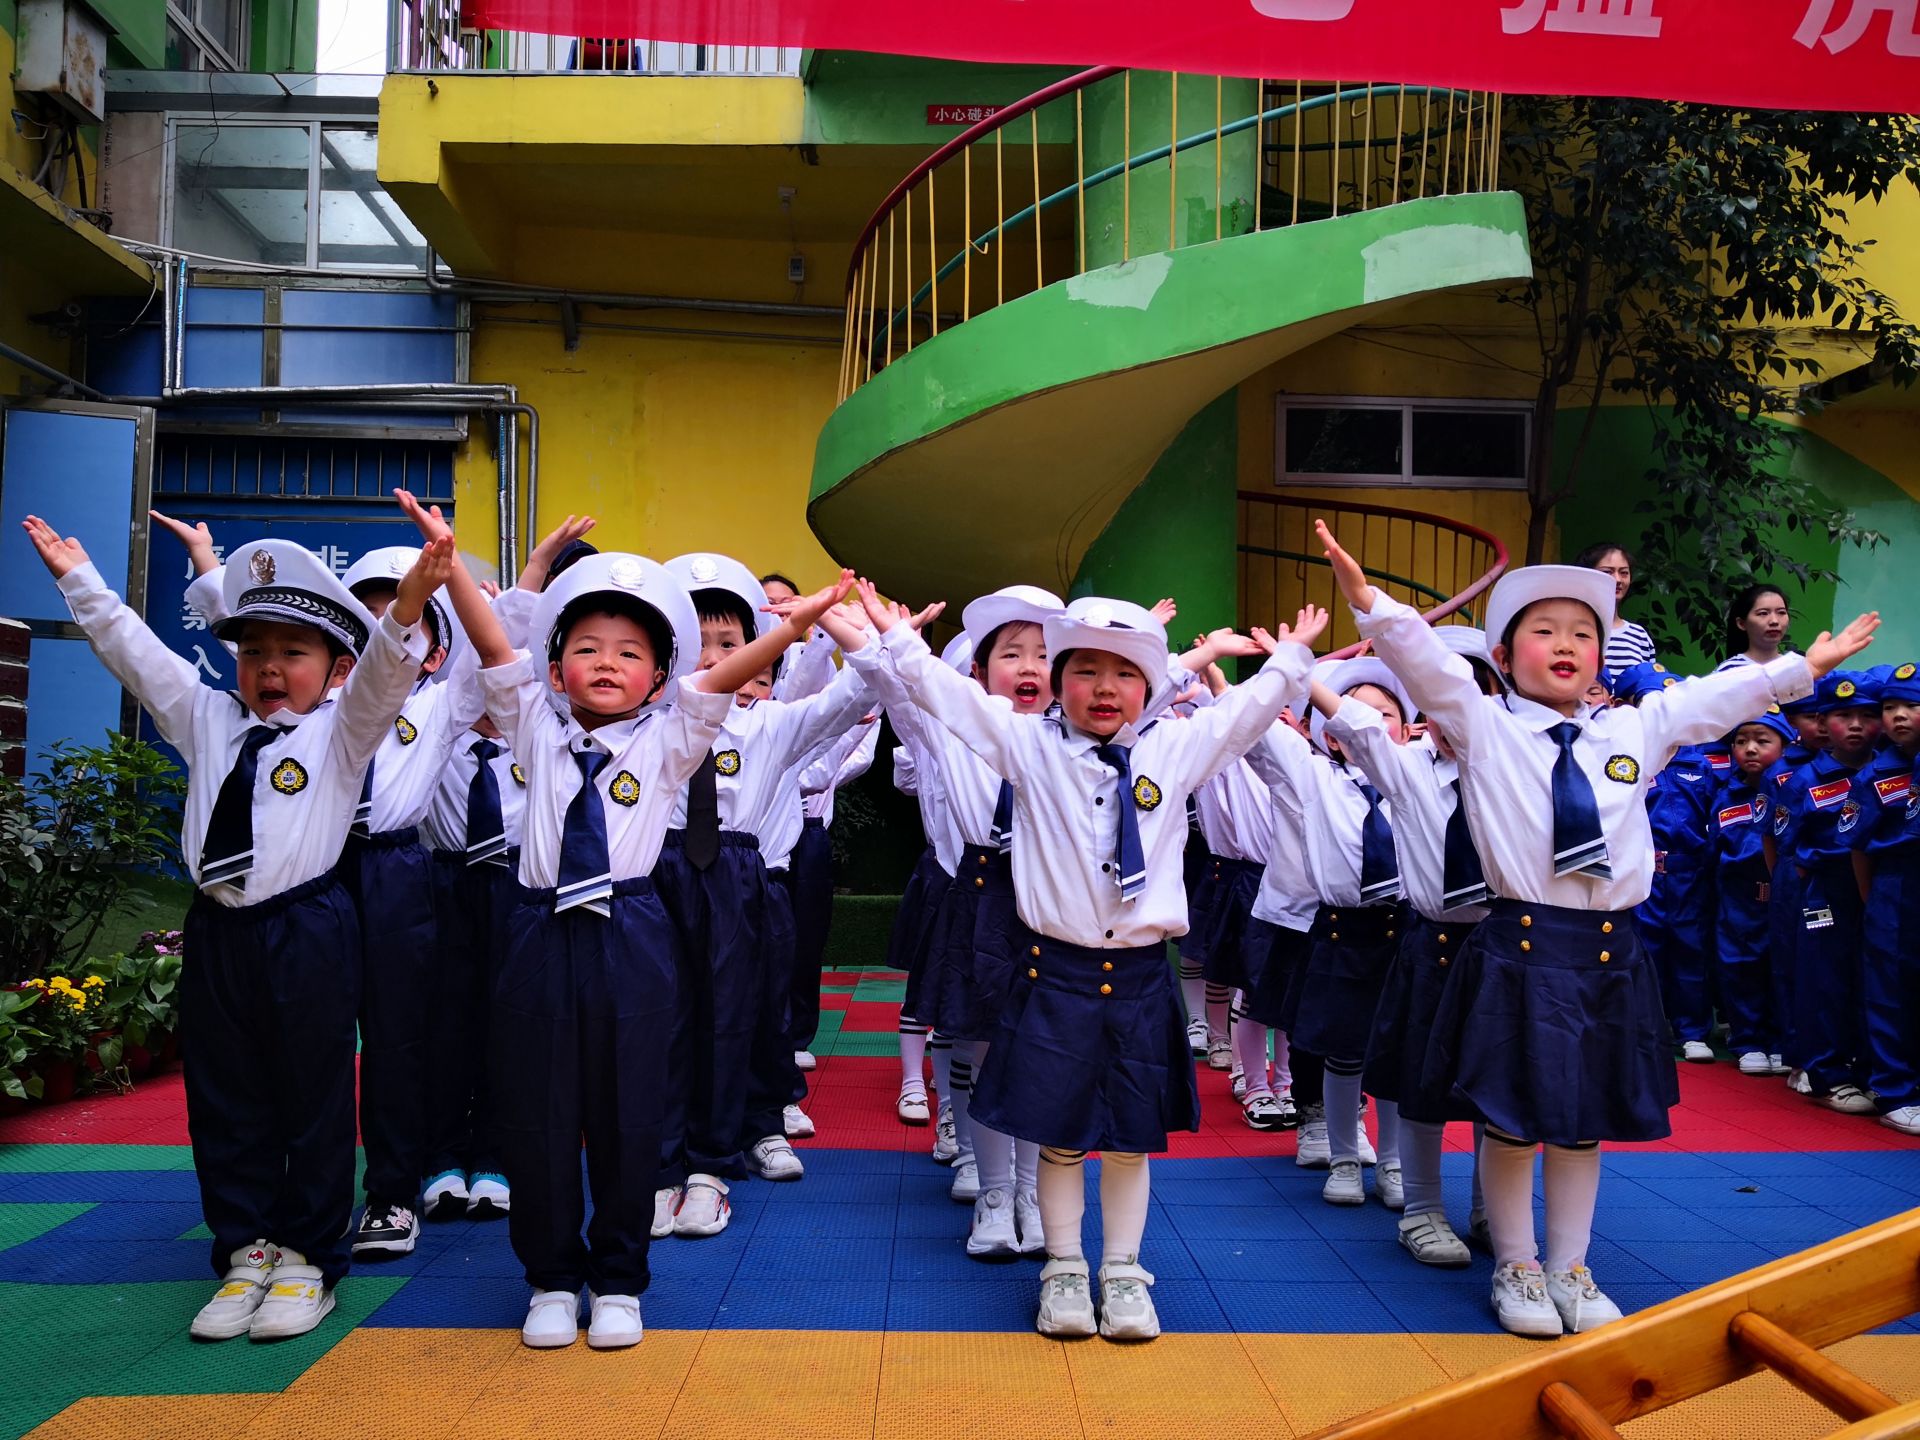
65 1018
18 1041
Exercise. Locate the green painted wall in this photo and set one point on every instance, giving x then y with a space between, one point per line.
285 36
1176 534
1614 482
140 29
859 99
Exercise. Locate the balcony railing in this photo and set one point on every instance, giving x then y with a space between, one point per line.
427 36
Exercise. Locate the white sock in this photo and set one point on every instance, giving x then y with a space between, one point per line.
962 1093
1572 1183
1026 1164
1063 1199
940 1052
913 1051
1386 1127
1507 1172
1193 989
1250 1049
1218 998
1282 1062
1124 1193
992 1151
1421 1145
1343 1115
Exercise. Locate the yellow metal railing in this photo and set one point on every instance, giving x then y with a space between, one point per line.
1012 213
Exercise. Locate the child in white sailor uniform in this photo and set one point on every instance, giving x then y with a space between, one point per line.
810 882
1549 1024
1091 1051
584 1003
268 1003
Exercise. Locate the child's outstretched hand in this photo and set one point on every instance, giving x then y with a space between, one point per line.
921 619
1832 651
805 612
1307 628
427 518
533 575
429 573
846 624
883 615
1347 573
60 555
1216 646
1164 610
198 540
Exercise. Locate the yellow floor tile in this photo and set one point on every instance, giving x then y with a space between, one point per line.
1319 1380
153 1417
961 1387
646 1377
751 1384
449 1361
1177 1385
429 1413
1460 1355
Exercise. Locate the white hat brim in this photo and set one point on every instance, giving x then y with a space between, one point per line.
1517 589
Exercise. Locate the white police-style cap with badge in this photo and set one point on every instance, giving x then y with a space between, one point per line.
1350 675
284 582
1517 589
385 567
1094 622
633 579
958 652
702 571
1012 604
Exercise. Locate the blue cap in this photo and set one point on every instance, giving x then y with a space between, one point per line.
1902 684
1634 683
1844 689
1774 721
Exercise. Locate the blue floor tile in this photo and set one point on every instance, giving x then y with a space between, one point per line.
1756 1163
1619 1264
851 1162
1696 1263
1268 1261
1328 1309
124 1186
478 1303
766 1304
160 1220
1443 1309
1634 1298
992 1305
1238 1222
49 1260
1243 1190
480 1262
1630 1227
1800 1227
1385 1262
1668 1164
853 1188
1187 1307
1370 1221
943 1258
1720 1193
1856 1192
835 1222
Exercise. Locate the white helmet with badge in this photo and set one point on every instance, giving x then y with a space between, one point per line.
284 582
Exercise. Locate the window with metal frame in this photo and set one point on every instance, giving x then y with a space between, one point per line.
207 34
1379 441
275 470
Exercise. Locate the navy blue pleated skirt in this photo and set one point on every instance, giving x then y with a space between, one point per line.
1236 885
913 923
1270 954
1091 1050
1328 1010
1403 1020
1550 1028
969 964
1201 872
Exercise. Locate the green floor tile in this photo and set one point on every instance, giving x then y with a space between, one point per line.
866 1042
21 1413
198 1232
887 992
70 1159
21 1223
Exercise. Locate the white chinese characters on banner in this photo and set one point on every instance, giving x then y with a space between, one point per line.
1903 25
1630 18
1304 9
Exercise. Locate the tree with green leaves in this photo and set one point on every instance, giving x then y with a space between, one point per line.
1679 251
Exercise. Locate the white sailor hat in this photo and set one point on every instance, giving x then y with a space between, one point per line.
1009 605
1470 644
1517 589
385 566
632 578
282 581
1362 670
704 571
959 652
1094 622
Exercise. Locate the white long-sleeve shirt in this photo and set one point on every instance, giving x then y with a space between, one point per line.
969 787
1328 807
850 757
444 827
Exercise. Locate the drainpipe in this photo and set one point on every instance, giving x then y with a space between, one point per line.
513 292
47 372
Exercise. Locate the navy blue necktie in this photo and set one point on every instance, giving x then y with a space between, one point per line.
1579 847
1131 861
227 853
486 830
702 838
363 812
586 872
1379 866
1002 835
1463 883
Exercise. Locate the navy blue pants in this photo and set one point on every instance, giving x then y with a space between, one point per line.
1676 931
1891 984
473 905
1827 977
581 1013
1743 959
391 878
810 884
1783 928
268 995
719 917
773 1080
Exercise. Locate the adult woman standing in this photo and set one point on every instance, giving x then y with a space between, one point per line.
1627 643
1757 622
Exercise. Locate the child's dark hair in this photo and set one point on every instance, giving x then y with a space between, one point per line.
1590 558
428 611
774 577
608 602
1738 641
718 604
571 554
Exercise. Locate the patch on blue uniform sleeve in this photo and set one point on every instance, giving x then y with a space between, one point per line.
625 790
405 729
1849 816
727 762
1781 815
1146 794
289 777
519 775
1624 769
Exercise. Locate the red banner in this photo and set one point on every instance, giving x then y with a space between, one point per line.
1783 54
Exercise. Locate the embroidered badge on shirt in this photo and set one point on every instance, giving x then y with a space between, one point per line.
1781 816
727 762
519 775
1146 794
1623 768
1737 815
405 729
1834 792
289 777
1849 816
1720 762
1893 789
625 790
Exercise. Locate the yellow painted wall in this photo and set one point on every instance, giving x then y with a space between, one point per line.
1886 440
18 297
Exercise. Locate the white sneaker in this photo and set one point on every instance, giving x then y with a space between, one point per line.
615 1322
1066 1299
1697 1051
966 1183
946 1140
446 1194
230 1312
665 1201
1388 1188
1521 1305
774 1159
1026 1223
1238 1083
1345 1184
553 1320
1849 1100
1798 1083
386 1230
798 1124
1780 1066
804 1060
1367 1157
1197 1034
1312 1152
488 1195
912 1104
1756 1062
1219 1053
1906 1119
1126 1302
1429 1238
296 1301
993 1236
703 1207
1582 1304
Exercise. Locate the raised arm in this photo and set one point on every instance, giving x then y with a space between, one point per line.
737 667
1362 733
483 627
1221 732
533 575
383 677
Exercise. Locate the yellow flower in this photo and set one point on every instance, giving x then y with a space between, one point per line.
92 982
79 1001
36 984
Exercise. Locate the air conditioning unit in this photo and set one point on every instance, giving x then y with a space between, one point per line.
63 56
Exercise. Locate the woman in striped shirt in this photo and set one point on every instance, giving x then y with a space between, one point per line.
1757 622
1627 643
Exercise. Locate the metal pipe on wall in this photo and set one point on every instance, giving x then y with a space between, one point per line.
47 372
513 291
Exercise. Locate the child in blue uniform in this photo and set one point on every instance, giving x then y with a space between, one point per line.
1886 858
1738 830
267 1004
1783 894
1549 1024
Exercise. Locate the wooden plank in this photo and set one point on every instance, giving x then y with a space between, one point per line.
1677 1350
1798 1363
1900 1424
1569 1413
